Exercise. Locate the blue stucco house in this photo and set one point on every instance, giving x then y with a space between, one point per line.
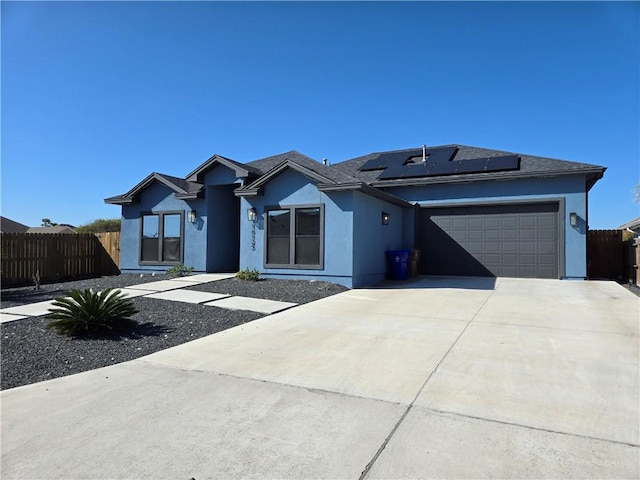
471 211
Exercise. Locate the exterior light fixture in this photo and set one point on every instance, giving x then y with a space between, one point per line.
192 216
573 219
385 218
252 214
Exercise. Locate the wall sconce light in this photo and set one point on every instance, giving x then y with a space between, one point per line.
252 214
573 219
192 216
385 218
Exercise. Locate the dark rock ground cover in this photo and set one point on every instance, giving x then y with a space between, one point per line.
29 352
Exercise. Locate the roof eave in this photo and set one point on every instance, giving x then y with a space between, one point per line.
118 200
248 192
366 189
598 172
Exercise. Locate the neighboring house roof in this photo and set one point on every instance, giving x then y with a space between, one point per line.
529 166
183 189
632 225
10 226
54 229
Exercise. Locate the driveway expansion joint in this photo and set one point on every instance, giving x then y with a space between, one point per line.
367 469
316 391
529 427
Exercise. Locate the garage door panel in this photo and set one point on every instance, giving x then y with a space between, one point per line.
476 223
492 222
460 223
546 247
547 220
547 260
527 222
527 247
509 221
517 240
527 234
546 234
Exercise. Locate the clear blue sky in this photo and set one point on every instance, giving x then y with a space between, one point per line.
95 96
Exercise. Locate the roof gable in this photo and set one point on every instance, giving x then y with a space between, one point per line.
293 160
241 170
183 189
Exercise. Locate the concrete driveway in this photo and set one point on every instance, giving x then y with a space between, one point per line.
436 378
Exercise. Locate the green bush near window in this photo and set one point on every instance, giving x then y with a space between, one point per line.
86 312
180 270
248 275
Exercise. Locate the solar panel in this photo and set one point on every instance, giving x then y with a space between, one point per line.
439 161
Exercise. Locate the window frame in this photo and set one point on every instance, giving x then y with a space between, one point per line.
161 216
292 237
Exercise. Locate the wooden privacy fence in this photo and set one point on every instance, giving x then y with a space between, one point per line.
57 257
631 261
605 257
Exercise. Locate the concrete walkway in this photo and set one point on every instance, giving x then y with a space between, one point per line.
174 290
437 378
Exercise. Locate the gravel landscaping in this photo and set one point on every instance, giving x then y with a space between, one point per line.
32 353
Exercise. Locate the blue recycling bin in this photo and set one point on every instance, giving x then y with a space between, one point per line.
398 261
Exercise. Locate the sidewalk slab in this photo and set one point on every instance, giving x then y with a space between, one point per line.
205 277
31 309
187 296
9 317
433 445
131 293
136 420
159 286
253 304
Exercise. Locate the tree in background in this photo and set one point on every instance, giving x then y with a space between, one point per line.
46 222
100 225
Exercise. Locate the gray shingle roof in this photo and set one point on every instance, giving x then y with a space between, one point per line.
53 229
241 169
347 174
182 188
11 226
530 166
267 164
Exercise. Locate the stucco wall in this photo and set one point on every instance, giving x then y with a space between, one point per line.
372 239
159 198
570 188
292 188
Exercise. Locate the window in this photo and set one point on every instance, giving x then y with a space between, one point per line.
295 237
162 238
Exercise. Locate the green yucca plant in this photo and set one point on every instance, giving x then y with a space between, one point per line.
85 312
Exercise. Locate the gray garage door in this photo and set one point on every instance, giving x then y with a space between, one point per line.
501 240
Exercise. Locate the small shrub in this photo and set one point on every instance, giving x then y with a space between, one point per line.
179 270
248 275
85 313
